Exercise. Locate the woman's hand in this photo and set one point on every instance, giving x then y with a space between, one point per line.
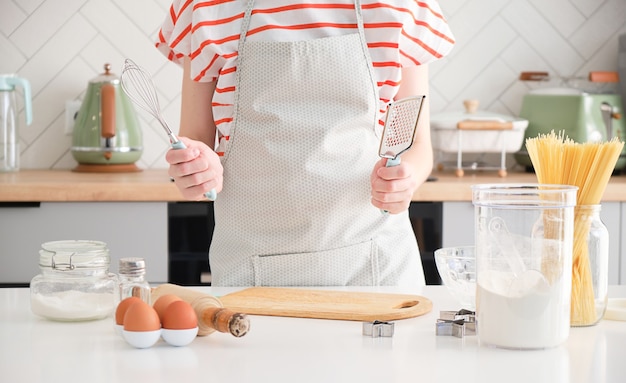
393 187
195 170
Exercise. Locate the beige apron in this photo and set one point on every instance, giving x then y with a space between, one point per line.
295 209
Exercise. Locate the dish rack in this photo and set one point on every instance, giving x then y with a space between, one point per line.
477 132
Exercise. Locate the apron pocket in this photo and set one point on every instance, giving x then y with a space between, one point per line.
355 265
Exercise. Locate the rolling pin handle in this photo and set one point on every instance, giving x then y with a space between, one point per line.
226 321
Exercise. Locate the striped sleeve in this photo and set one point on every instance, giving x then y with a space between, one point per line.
174 36
399 33
207 31
426 35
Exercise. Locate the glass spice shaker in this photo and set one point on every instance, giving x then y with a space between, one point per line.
132 274
75 283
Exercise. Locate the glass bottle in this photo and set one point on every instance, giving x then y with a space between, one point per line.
132 274
75 283
590 267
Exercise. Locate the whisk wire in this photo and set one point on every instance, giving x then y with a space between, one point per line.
137 83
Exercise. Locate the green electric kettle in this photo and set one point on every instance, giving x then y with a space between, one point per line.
584 117
107 136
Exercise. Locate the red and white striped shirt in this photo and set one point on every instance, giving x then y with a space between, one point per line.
399 33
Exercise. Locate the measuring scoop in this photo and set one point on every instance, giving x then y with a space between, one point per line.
524 281
399 130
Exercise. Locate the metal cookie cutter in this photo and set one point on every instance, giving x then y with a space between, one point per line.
378 329
456 323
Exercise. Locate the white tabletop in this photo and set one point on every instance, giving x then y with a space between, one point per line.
298 350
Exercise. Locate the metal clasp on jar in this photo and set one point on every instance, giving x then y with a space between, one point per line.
62 266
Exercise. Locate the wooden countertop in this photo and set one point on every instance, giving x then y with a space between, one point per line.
155 185
66 185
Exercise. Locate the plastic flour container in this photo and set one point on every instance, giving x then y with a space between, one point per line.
524 240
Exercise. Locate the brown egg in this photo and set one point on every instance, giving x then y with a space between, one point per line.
140 316
179 315
122 307
162 302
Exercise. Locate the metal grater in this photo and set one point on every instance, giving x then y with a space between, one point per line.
399 129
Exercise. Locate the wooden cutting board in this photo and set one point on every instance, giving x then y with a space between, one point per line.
326 304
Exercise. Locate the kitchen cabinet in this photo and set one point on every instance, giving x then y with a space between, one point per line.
458 230
130 229
458 224
190 228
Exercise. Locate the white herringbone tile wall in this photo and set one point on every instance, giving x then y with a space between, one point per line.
59 45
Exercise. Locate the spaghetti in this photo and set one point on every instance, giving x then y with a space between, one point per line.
559 160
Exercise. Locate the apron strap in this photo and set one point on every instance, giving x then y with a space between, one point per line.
245 26
245 23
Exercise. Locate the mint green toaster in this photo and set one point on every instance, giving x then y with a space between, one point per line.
583 117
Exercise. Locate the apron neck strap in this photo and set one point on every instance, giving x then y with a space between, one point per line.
245 23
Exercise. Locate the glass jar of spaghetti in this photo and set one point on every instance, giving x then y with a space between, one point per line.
75 283
590 266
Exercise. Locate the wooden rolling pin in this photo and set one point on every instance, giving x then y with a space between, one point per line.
212 316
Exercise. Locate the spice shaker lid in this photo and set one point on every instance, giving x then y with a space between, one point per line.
74 254
132 266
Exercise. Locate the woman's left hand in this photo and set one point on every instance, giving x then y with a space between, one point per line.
393 187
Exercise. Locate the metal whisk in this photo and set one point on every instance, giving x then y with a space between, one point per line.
138 85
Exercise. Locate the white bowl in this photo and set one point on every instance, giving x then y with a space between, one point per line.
457 268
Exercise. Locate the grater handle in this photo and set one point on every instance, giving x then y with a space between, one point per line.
391 162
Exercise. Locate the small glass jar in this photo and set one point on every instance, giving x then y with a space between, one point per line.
590 271
75 283
132 273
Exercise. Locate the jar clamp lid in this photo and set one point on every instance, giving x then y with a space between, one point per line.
69 255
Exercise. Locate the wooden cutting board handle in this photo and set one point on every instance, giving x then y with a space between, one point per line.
326 304
212 316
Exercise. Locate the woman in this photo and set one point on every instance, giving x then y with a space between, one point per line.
295 93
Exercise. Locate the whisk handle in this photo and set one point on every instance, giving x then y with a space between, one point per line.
210 195
178 145
391 162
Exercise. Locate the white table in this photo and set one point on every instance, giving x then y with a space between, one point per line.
298 350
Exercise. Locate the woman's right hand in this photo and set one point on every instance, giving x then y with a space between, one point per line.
196 169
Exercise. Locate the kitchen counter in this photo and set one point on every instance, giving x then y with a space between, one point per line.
298 350
68 186
155 185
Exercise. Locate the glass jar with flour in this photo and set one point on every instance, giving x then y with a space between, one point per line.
524 247
75 283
